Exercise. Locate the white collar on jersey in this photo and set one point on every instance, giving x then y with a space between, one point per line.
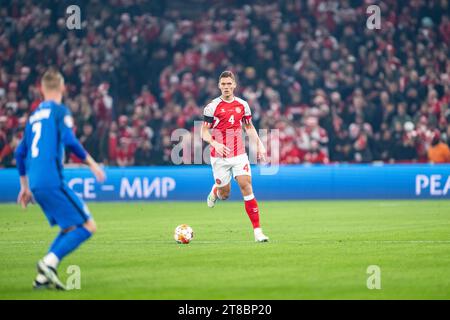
234 98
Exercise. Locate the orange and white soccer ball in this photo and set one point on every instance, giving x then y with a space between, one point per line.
183 234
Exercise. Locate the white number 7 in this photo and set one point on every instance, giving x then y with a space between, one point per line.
36 128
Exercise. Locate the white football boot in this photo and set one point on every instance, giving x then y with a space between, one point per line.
259 236
51 275
211 200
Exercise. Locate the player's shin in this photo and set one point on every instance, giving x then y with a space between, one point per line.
70 241
51 259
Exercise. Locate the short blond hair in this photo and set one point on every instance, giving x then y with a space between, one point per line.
52 80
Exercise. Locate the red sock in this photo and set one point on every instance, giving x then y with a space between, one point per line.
251 206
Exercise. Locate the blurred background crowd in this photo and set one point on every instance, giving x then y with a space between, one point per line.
137 70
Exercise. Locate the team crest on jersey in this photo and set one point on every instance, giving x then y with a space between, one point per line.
218 181
238 110
68 121
222 110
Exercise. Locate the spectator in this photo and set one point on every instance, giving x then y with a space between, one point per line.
90 140
295 61
405 151
311 133
438 152
4 144
362 151
315 154
143 155
125 152
384 146
342 150
113 143
290 153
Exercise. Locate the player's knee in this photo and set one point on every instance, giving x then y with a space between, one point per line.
67 230
246 188
91 226
224 193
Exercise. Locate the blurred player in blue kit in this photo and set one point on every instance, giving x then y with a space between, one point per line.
39 158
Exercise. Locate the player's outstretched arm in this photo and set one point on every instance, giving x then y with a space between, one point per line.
71 142
254 139
220 148
75 146
95 168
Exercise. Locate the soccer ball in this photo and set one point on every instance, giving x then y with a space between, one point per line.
183 234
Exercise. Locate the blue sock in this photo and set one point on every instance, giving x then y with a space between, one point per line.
69 242
57 240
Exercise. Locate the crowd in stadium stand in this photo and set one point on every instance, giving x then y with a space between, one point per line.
336 90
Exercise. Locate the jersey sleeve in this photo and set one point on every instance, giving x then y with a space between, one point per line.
65 128
247 113
208 115
21 153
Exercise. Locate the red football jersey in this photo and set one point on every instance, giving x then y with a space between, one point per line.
226 118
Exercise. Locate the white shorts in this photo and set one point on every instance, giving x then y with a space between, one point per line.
224 168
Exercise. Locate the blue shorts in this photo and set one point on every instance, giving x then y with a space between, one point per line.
62 206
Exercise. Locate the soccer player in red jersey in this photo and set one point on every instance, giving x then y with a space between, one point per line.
224 116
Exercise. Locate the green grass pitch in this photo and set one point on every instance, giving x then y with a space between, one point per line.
318 250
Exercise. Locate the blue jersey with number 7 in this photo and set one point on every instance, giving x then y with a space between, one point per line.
40 154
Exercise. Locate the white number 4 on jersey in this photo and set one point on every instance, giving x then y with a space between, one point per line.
231 120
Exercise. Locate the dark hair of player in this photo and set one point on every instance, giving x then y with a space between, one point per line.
227 74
